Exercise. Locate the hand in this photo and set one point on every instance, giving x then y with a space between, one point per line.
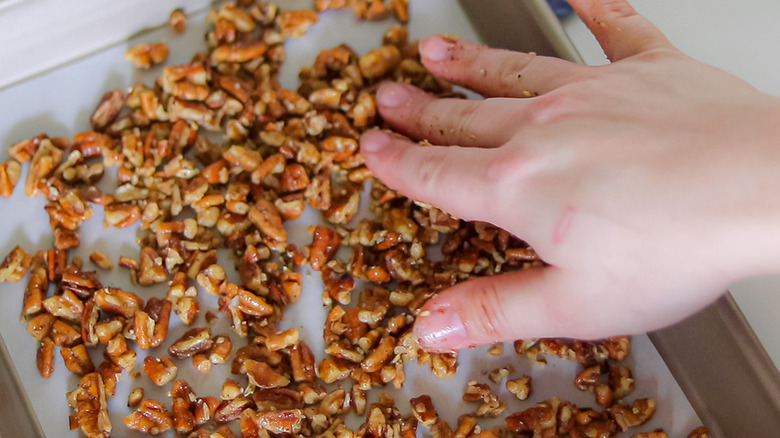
649 185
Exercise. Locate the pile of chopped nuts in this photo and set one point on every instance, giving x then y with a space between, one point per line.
283 151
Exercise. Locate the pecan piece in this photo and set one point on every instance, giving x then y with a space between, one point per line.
160 370
638 414
262 375
63 334
101 260
108 109
423 410
135 397
117 301
40 326
151 417
220 351
521 388
295 23
178 21
45 358
77 360
325 243
194 341
10 172
66 306
230 410
89 401
280 422
378 62
282 339
15 265
267 219
146 55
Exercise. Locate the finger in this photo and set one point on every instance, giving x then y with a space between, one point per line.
618 28
470 123
455 179
495 72
519 305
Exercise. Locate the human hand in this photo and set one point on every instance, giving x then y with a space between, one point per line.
646 184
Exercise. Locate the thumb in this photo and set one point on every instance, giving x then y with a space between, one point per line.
519 305
620 30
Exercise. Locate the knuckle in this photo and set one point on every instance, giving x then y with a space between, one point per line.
617 9
506 167
551 107
427 170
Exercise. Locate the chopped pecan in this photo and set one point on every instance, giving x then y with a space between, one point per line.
498 374
239 52
636 415
178 21
10 172
295 23
230 390
15 265
280 422
230 410
63 334
151 417
380 355
423 410
325 243
194 341
66 306
220 350
655 434
117 301
160 370
40 326
135 397
89 402
334 369
699 432
521 387
146 55
277 399
107 111
267 219
45 358
262 375
101 260
77 360
282 339
201 363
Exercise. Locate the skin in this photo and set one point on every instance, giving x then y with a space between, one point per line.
649 185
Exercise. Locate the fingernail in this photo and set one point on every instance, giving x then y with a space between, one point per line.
440 330
391 95
374 141
436 48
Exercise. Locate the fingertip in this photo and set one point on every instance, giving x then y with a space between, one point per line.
440 329
374 141
436 48
391 95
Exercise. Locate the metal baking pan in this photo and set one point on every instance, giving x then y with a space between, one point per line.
714 356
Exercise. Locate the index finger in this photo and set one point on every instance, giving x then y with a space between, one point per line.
496 72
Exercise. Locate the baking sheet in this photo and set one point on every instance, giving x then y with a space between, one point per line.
60 102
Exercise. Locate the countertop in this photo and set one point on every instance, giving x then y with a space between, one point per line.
742 38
